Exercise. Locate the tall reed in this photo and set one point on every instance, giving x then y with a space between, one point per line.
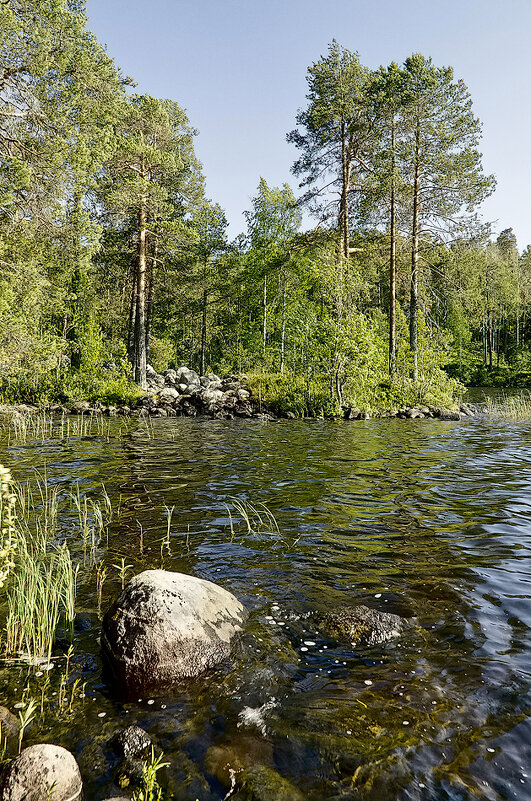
8 536
41 582
511 407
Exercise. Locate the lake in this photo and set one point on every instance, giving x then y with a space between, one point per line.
428 519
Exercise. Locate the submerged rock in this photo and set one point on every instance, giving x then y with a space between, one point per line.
250 769
42 772
448 414
266 783
9 724
168 626
131 742
362 625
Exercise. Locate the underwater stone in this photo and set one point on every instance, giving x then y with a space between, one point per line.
131 742
362 625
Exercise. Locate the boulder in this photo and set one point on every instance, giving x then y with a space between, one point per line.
131 742
81 407
351 413
9 724
165 626
170 377
168 394
362 625
212 398
448 414
210 381
42 772
187 377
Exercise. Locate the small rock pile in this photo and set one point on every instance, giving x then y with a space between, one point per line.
182 392
416 412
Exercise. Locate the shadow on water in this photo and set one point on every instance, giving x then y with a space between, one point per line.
426 519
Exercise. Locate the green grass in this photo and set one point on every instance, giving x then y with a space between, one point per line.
36 566
517 407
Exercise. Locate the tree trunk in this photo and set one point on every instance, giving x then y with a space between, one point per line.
413 307
283 334
490 336
264 328
392 266
343 222
203 333
73 333
132 321
140 320
149 305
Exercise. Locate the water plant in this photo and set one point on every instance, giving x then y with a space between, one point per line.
42 591
101 575
256 518
26 716
123 569
151 789
511 407
8 538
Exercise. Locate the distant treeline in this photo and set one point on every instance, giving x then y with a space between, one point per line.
111 256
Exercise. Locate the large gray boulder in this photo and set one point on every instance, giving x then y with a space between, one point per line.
42 773
168 626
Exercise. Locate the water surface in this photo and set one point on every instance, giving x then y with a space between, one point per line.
427 519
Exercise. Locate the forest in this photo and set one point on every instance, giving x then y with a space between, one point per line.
113 258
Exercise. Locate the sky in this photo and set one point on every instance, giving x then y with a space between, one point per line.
239 68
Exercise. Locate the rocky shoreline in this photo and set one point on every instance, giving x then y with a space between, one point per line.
163 628
184 393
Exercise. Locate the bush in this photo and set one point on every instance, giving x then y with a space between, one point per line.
293 393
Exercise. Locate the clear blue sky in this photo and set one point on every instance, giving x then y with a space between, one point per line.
239 66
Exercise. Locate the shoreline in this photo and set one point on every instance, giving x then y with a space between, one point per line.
156 409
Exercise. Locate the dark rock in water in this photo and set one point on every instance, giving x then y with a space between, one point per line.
266 783
448 414
250 769
131 742
165 626
129 773
9 724
42 772
351 413
117 798
362 625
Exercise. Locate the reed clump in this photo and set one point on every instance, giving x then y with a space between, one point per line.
511 407
8 536
36 564
22 426
41 587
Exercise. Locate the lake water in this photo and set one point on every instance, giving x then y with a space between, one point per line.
427 519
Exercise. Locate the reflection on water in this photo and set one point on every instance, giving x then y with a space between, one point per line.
426 519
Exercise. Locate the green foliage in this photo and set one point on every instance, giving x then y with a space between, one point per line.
151 789
293 393
162 353
98 171
8 533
